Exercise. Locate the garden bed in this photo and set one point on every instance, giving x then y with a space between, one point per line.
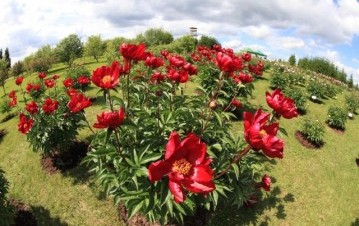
305 142
23 214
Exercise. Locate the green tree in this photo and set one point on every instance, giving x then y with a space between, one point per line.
17 68
351 82
184 44
69 49
7 58
1 54
112 48
94 47
3 73
155 36
207 41
292 61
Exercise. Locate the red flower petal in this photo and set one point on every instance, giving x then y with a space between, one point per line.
158 169
199 187
202 174
172 145
271 129
177 192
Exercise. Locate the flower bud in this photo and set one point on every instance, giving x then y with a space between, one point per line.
213 104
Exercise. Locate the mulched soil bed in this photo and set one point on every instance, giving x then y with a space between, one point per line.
337 130
357 161
200 219
3 132
62 161
23 216
306 143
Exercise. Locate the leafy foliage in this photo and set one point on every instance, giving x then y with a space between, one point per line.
278 81
299 97
337 117
94 47
292 60
313 130
69 48
6 212
352 102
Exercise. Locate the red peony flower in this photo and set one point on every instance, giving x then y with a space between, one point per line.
186 165
83 80
246 56
32 107
177 76
42 75
25 124
133 52
157 77
50 105
236 103
192 70
154 62
68 82
49 83
266 182
165 53
284 106
55 77
228 63
110 120
262 136
13 102
106 77
78 102
176 61
71 92
12 94
19 80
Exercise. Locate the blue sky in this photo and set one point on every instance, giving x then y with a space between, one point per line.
279 28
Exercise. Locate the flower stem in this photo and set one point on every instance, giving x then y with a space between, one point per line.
87 122
236 159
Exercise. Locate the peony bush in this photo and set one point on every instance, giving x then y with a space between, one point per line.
166 154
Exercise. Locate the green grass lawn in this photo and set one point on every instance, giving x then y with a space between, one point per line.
310 186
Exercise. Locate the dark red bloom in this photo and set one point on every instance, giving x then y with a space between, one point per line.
192 70
262 136
19 80
133 52
245 78
50 105
110 120
71 92
12 94
13 102
83 80
266 182
68 82
32 107
157 77
284 106
107 77
236 103
187 166
49 83
78 102
246 56
25 124
32 87
176 61
42 75
177 76
228 63
217 47
154 62
55 77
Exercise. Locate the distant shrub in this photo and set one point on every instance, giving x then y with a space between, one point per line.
330 90
299 98
313 131
352 102
317 89
337 117
278 81
296 79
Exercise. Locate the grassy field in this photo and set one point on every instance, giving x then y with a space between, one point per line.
310 187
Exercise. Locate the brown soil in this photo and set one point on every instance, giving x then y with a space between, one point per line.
23 216
201 218
357 161
305 142
62 161
337 130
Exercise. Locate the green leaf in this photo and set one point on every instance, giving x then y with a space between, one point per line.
134 206
150 158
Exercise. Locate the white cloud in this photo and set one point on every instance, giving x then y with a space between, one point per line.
259 32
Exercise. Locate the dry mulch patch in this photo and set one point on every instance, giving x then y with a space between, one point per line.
201 218
305 142
337 130
62 161
23 215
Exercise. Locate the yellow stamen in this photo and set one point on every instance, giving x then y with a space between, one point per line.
182 166
106 79
262 133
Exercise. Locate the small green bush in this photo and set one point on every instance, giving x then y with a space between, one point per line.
313 130
330 90
299 98
317 89
296 79
278 81
352 102
337 117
